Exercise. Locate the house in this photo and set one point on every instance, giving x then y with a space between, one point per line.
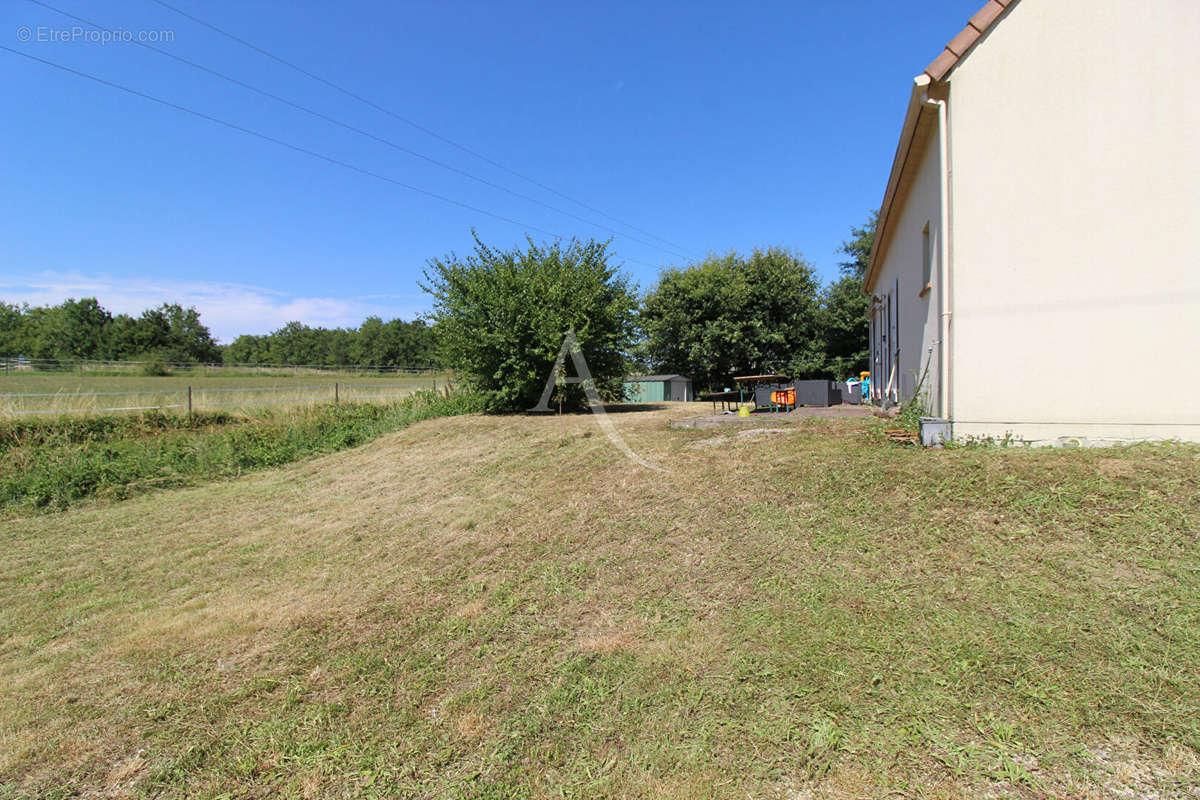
658 388
1035 270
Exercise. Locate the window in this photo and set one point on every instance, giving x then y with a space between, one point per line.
926 262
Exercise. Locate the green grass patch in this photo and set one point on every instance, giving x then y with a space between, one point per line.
52 463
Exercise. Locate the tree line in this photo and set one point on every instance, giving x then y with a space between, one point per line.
375 343
84 329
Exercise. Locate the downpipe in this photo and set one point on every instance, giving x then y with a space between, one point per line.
945 283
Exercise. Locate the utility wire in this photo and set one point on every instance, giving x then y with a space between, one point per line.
295 147
408 121
360 131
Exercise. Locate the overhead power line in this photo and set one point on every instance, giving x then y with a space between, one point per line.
295 147
409 122
352 128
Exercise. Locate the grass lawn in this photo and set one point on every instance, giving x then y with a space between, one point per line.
505 607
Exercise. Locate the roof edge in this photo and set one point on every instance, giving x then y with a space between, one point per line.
936 73
912 116
654 378
958 47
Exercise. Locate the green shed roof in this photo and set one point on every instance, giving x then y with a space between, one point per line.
650 378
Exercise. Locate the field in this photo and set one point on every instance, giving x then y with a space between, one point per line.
506 607
220 390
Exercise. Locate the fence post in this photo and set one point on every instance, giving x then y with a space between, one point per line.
435 384
189 401
335 392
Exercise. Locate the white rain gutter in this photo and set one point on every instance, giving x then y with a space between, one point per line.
945 284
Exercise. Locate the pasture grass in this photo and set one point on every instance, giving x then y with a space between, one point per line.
506 607
219 391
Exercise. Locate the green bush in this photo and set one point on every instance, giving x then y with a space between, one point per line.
155 368
500 318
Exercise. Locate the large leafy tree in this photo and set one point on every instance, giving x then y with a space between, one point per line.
172 332
844 306
732 315
14 330
857 248
844 329
500 316
72 329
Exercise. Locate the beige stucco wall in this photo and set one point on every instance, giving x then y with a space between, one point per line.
901 273
1075 149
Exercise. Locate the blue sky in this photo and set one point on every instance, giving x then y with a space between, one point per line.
712 125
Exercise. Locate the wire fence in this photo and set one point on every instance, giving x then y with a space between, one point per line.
194 398
83 366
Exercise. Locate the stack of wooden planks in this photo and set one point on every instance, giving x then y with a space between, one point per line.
901 436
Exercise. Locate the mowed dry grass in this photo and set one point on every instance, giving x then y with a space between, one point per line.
507 607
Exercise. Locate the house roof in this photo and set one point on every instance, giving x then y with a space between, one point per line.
918 121
653 378
957 47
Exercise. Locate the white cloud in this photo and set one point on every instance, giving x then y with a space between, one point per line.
228 309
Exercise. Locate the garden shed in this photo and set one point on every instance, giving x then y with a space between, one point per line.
658 388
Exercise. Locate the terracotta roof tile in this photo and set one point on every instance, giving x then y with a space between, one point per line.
961 43
941 65
984 19
985 16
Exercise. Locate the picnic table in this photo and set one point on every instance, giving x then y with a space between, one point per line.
728 398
